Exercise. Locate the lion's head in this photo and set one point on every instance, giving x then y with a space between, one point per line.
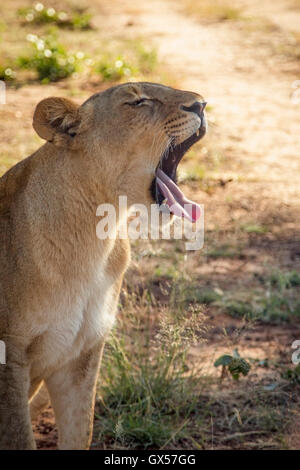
136 133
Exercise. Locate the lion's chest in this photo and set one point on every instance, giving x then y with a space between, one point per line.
81 315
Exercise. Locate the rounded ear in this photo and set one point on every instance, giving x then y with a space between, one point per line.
56 118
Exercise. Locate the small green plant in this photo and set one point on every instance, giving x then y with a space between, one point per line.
277 308
224 251
292 375
277 303
235 364
202 295
268 308
254 228
237 308
285 280
194 173
114 70
7 72
146 57
138 60
39 14
167 272
50 60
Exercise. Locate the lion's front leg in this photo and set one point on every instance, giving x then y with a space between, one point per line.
72 392
15 425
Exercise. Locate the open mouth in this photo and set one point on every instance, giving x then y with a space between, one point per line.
164 188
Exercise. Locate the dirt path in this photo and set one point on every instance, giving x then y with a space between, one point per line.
248 88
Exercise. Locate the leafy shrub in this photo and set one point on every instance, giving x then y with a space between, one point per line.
147 58
235 364
50 59
237 308
254 228
138 60
292 375
278 308
285 280
268 308
7 73
224 251
277 304
114 70
202 295
40 15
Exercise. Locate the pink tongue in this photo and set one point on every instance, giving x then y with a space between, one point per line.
177 202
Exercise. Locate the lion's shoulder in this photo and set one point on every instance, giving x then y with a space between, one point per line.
15 180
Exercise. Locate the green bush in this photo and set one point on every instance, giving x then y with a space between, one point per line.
268 308
147 58
7 72
279 303
50 60
292 375
39 14
114 70
139 60
285 280
235 364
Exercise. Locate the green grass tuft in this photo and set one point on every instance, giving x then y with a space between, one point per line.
39 14
49 59
285 280
7 72
114 70
278 303
254 228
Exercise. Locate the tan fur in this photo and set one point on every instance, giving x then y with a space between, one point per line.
59 284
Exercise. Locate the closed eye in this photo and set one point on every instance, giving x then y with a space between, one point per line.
137 102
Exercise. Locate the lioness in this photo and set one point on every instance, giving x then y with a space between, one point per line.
59 284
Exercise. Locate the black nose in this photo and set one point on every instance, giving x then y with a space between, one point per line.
196 107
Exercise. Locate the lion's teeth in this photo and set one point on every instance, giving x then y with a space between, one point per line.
198 133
